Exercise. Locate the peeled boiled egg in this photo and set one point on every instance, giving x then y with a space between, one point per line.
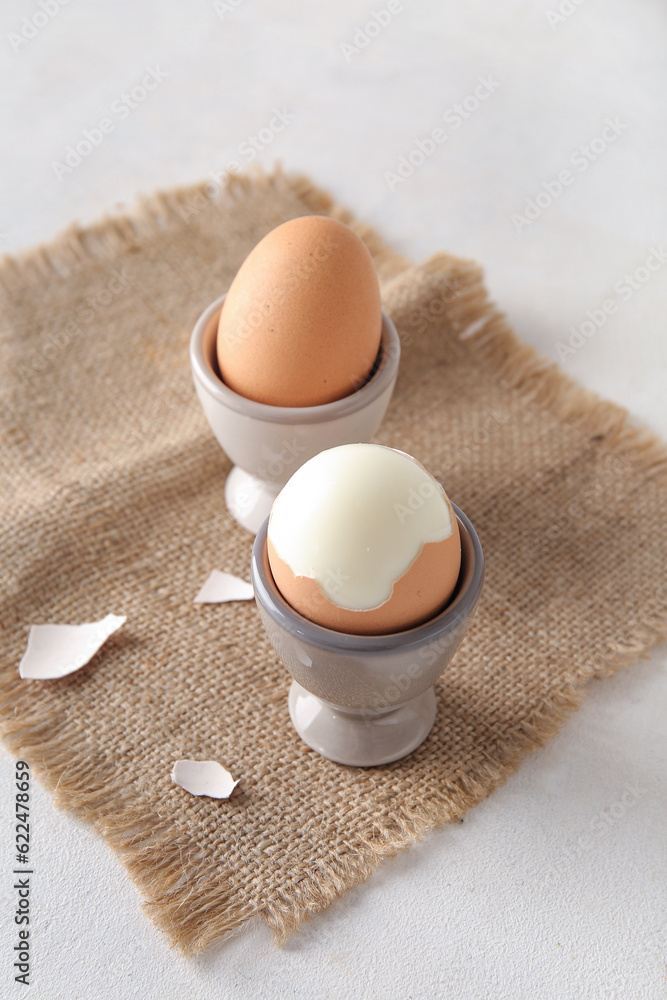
362 539
302 320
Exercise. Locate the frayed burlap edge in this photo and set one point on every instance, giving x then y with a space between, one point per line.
154 854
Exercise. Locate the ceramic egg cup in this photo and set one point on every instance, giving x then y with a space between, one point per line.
268 443
362 699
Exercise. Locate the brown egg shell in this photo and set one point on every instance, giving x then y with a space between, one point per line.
422 592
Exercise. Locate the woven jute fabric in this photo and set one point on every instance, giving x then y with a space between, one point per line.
113 502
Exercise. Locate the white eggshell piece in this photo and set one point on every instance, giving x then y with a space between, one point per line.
221 587
203 777
57 650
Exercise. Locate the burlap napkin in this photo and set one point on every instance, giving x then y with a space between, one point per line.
114 503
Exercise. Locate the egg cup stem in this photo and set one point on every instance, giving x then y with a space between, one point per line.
248 498
358 737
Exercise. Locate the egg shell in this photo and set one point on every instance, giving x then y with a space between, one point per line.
423 591
302 321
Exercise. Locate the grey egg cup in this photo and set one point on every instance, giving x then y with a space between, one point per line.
268 443
366 699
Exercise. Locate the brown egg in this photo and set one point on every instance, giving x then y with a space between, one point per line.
302 320
422 592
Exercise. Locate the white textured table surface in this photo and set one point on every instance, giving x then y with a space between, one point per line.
555 886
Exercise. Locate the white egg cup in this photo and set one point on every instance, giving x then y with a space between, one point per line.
268 443
366 699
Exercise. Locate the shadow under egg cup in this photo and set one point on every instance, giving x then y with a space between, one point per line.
366 699
267 444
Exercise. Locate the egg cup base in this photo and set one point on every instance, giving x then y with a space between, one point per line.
249 499
361 738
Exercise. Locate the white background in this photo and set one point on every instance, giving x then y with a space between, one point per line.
555 886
